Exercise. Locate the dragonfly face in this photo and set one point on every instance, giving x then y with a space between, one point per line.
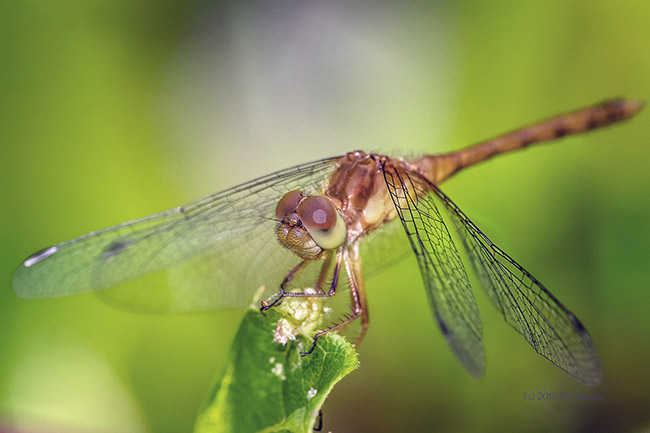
323 211
309 225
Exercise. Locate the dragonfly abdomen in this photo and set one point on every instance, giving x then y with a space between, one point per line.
438 168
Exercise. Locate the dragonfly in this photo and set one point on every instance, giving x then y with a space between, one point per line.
303 227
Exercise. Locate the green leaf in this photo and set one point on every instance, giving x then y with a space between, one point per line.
268 387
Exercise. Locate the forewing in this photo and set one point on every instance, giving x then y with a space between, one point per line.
212 253
442 270
552 330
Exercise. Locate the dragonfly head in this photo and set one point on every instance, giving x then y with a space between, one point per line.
309 224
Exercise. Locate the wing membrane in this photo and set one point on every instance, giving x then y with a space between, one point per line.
209 254
550 328
442 270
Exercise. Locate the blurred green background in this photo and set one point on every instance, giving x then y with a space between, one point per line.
112 110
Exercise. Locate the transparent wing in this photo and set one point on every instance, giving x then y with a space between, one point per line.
552 330
383 248
212 253
442 270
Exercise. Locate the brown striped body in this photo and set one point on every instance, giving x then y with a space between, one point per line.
438 168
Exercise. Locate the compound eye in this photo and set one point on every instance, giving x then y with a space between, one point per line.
287 204
320 218
317 213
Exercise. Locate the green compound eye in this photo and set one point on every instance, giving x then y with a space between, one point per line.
320 218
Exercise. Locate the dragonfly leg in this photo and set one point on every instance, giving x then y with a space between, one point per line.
321 278
282 293
358 293
293 273
277 297
319 427
359 303
273 300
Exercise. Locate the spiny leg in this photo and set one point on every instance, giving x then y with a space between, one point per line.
282 293
275 298
358 292
359 304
